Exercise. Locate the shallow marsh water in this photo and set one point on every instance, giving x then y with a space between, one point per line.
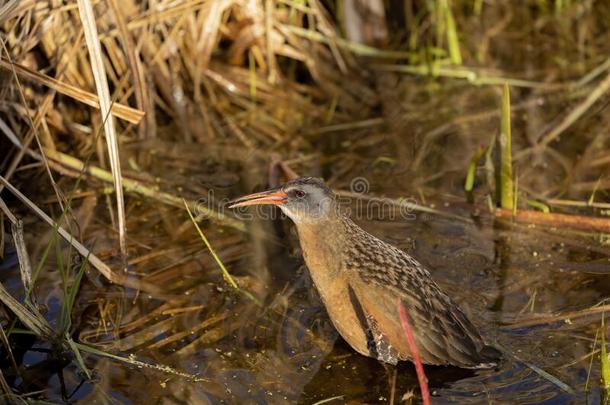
504 276
365 124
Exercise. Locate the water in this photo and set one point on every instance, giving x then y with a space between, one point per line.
531 290
503 275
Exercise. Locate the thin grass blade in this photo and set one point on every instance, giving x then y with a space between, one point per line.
77 354
225 273
605 359
472 169
452 36
129 360
506 167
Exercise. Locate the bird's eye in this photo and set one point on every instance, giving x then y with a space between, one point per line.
299 193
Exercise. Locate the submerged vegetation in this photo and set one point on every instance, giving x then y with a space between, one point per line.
125 127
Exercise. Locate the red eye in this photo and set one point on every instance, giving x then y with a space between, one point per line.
299 193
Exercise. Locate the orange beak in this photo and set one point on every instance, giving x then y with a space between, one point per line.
273 197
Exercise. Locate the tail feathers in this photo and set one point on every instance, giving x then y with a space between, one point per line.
490 357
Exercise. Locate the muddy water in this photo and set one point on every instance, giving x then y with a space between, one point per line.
231 350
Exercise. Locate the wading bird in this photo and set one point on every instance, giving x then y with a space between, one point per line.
360 279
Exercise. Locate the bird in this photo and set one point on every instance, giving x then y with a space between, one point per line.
361 278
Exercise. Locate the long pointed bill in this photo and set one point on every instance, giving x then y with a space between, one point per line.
273 197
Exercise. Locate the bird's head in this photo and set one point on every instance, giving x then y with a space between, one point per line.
304 200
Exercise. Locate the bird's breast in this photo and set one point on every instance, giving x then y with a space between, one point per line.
324 258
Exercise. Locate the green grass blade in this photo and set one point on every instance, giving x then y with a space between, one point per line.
506 167
477 7
515 194
605 359
63 275
70 298
79 358
586 389
452 36
591 199
225 273
540 206
472 168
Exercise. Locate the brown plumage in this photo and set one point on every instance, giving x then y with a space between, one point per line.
360 279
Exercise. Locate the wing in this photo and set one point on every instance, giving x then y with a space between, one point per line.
382 275
377 343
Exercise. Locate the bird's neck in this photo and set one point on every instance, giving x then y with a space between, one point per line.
322 243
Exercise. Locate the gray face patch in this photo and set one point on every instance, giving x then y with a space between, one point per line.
308 202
